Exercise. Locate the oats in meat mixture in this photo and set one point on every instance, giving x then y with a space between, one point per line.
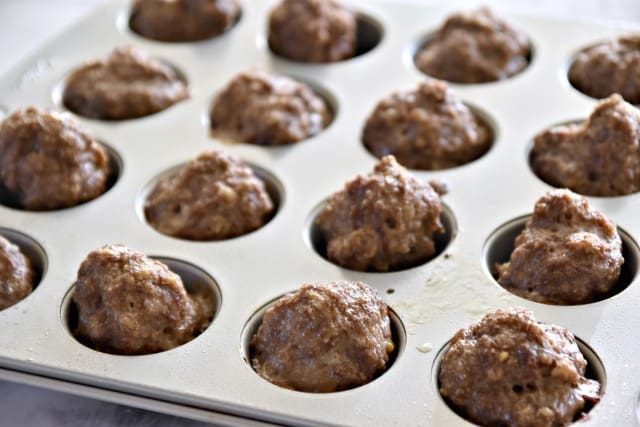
131 304
600 157
382 221
568 253
313 30
259 108
49 161
127 84
183 20
325 337
474 47
510 370
428 128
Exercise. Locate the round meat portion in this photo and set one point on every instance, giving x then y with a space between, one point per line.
324 338
382 221
568 253
125 85
260 108
428 128
16 274
49 161
600 157
313 30
215 196
608 68
183 20
130 304
509 370
474 47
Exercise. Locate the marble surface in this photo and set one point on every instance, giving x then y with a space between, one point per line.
29 23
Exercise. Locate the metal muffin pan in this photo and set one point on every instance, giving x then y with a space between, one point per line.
209 377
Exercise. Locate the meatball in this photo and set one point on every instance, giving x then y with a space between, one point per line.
127 84
568 253
428 128
510 370
607 68
259 108
17 276
215 196
600 157
49 161
383 221
323 338
130 304
474 47
313 31
183 20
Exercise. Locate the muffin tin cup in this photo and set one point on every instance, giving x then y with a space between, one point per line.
210 374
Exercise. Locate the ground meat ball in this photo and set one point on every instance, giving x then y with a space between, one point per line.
216 196
568 253
313 31
183 20
125 85
428 128
259 108
600 157
324 338
130 304
49 161
474 47
612 67
383 221
509 370
16 274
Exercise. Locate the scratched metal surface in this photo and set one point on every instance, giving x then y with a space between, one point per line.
433 300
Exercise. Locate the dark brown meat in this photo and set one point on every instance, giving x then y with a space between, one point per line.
600 157
16 274
183 20
608 68
259 108
474 47
324 338
383 221
130 304
312 31
568 253
49 161
428 128
509 370
215 196
127 84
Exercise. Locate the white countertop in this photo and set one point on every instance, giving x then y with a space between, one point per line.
25 25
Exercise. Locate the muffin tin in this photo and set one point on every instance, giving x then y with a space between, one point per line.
210 377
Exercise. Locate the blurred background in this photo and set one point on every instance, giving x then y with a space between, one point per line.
26 24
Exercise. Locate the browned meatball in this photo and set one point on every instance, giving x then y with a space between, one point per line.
130 304
474 47
382 221
324 338
509 370
215 196
183 20
49 161
16 274
607 68
600 157
428 128
125 85
259 108
313 30
568 253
